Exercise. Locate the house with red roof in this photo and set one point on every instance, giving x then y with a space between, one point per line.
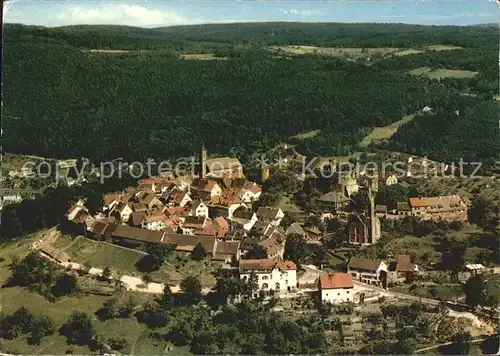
336 288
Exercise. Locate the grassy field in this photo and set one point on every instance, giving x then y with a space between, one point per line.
60 311
13 298
306 135
108 51
100 255
386 132
442 48
201 56
336 51
408 52
443 73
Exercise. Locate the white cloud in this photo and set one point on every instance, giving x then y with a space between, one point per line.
131 15
295 12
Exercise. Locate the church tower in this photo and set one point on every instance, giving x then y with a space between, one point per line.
203 161
375 231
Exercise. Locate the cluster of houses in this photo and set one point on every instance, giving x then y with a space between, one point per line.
215 211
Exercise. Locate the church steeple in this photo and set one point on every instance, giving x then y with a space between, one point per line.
203 161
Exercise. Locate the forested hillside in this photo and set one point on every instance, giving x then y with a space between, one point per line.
212 36
471 135
71 103
60 101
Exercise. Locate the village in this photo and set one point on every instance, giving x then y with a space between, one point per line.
213 213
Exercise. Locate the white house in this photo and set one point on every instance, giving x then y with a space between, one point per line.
368 271
181 198
199 208
276 276
244 217
155 222
269 214
250 192
123 210
207 189
336 288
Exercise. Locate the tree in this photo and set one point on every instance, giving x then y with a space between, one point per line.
462 343
129 307
42 326
153 315
198 253
251 285
78 329
258 252
296 248
484 212
191 286
314 221
34 271
228 286
65 285
453 254
203 343
167 299
155 258
117 343
109 310
287 220
480 290
181 333
146 278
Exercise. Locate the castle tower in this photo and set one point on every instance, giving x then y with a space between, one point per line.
264 173
203 161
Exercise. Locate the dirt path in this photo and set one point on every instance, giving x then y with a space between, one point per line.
450 343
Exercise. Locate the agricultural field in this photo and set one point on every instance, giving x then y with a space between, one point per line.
353 52
386 132
439 73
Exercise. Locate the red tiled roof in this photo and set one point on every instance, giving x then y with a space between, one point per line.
363 263
403 263
221 222
108 199
268 265
336 280
152 180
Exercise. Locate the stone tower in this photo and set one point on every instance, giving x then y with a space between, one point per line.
264 173
203 161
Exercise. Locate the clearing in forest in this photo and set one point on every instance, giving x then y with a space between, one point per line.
442 47
306 135
336 51
201 56
385 132
408 52
439 73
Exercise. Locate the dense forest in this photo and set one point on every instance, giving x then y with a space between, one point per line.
144 105
448 136
212 36
60 101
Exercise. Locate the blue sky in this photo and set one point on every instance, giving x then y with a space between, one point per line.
166 13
